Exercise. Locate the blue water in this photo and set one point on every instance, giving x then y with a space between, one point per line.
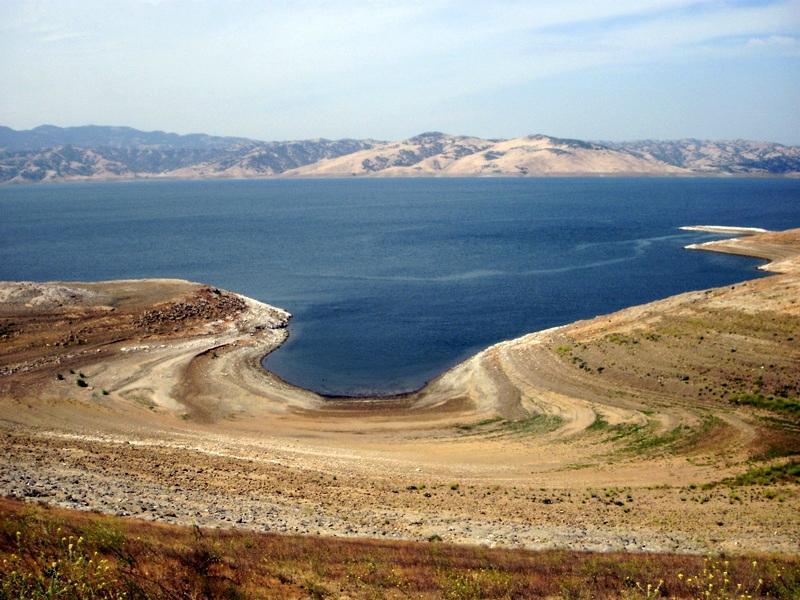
393 281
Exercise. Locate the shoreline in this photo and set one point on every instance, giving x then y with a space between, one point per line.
724 229
724 246
729 245
157 177
541 441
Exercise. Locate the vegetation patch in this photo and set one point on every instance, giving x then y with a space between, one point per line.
599 423
790 406
620 339
638 438
479 424
564 350
534 424
54 553
786 473
498 426
668 438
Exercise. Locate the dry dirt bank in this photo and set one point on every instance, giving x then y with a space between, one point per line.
596 435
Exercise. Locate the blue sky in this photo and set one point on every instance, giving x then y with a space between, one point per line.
611 70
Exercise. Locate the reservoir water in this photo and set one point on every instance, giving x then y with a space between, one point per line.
392 281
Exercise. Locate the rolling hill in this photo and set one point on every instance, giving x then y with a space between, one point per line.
50 153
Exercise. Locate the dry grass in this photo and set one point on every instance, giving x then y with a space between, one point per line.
53 553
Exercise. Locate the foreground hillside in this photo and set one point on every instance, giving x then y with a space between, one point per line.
670 427
73 554
50 153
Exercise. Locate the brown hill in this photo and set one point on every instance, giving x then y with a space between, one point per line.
103 153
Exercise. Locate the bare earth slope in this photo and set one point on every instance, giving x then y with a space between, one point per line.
147 398
536 155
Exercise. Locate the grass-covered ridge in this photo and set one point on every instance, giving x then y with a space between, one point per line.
51 553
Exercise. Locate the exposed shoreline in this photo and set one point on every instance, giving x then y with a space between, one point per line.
724 229
178 421
724 246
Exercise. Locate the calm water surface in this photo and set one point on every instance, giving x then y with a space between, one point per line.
393 281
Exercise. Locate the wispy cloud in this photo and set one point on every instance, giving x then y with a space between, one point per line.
273 63
773 41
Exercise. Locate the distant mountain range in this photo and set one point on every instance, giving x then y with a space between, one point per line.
50 153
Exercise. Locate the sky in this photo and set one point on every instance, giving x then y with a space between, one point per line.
591 69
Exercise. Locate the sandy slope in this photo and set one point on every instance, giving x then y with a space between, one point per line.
540 155
585 436
426 154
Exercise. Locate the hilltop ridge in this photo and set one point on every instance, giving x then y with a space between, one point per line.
92 152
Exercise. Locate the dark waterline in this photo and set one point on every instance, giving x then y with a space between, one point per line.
393 281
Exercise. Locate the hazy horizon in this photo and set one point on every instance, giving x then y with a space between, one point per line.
455 134
606 71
